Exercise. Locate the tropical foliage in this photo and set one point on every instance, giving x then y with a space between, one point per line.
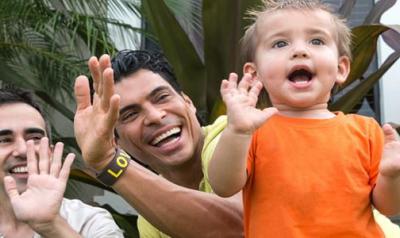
223 21
45 44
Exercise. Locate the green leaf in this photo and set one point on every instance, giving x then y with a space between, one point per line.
218 109
56 105
222 44
179 50
69 141
364 43
347 102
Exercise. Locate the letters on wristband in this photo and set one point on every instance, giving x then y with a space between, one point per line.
113 171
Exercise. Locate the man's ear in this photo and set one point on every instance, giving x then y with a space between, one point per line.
188 102
115 138
250 68
343 69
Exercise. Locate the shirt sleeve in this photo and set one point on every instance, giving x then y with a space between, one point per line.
146 230
212 136
390 229
88 221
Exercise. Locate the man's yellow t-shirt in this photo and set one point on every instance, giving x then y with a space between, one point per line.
211 136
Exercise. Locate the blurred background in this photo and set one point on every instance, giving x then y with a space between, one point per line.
45 45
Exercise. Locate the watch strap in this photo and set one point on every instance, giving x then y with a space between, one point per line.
114 170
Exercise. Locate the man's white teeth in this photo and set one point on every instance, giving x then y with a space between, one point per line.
165 135
23 169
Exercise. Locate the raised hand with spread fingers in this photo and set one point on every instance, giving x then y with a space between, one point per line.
40 203
240 100
243 119
390 164
386 194
94 122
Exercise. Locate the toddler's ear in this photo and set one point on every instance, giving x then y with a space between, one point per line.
250 68
343 69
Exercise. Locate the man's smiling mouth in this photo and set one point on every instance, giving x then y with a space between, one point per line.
166 136
19 170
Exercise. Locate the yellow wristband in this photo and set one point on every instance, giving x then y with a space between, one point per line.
113 171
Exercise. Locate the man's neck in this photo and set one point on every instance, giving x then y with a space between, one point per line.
10 227
190 174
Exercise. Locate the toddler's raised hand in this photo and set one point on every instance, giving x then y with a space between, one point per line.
240 100
390 163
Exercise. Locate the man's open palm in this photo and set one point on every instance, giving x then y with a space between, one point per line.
41 201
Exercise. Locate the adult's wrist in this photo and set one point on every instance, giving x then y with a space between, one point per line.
114 169
57 227
99 162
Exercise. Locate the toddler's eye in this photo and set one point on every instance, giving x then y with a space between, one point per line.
317 42
280 44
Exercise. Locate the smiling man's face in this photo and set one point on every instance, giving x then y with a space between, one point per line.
157 125
19 122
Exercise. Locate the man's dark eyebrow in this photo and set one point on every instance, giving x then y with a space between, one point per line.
152 94
156 90
35 130
5 132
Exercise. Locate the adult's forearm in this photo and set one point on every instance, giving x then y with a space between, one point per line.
58 228
179 211
386 195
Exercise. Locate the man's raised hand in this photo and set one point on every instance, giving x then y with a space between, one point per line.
94 122
47 178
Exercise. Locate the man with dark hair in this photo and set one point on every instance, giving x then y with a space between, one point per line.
156 124
9 95
33 179
127 62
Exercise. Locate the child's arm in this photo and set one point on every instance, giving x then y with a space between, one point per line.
227 169
386 195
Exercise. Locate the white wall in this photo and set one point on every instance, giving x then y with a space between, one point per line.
390 83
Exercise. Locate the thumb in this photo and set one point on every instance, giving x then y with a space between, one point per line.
389 133
11 187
